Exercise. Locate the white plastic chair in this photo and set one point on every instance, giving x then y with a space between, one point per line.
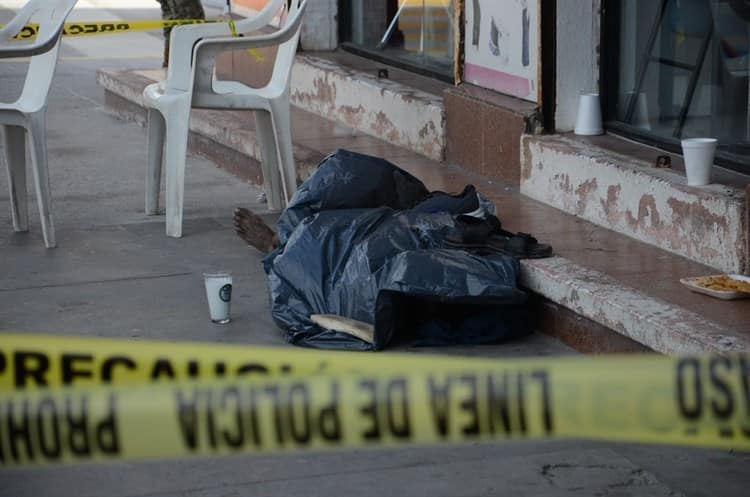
193 85
26 116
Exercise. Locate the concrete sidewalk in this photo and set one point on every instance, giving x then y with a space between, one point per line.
116 274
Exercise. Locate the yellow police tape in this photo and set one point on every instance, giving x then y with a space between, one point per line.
91 28
66 400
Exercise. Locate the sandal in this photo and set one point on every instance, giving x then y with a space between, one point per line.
520 245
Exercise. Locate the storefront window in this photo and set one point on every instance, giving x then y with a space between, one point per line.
679 69
413 33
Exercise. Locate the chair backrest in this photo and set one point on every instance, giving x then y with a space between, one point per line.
15 25
51 16
264 17
180 59
285 38
286 52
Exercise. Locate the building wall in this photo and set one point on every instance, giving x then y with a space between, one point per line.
501 46
506 58
578 27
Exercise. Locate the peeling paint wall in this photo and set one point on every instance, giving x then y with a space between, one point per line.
384 109
655 206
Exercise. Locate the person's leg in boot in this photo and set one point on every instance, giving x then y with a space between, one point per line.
251 228
165 15
178 9
188 9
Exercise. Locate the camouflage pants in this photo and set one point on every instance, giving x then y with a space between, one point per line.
180 9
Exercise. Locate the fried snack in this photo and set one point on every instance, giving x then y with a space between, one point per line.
723 283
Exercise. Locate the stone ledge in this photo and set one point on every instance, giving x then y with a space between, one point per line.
663 327
627 195
385 109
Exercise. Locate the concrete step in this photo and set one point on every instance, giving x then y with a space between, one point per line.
594 295
627 194
660 325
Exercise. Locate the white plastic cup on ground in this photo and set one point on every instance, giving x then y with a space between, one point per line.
219 295
699 159
589 119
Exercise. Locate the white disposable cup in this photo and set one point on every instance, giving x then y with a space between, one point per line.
641 112
640 117
699 158
219 295
589 119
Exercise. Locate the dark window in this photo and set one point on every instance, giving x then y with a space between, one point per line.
415 34
677 69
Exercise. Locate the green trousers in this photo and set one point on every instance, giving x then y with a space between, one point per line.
180 9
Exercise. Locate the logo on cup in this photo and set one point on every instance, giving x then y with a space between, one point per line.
225 292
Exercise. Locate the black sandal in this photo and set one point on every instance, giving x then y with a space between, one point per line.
520 245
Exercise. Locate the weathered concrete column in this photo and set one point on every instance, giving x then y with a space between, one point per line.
320 26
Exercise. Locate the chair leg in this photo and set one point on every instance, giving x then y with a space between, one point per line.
175 157
283 133
38 141
156 129
269 160
14 138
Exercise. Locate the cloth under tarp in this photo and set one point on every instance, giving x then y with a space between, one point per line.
363 239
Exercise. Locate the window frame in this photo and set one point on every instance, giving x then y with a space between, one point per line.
345 43
608 69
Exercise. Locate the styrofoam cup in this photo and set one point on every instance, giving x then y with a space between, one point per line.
641 112
699 158
589 119
640 118
219 295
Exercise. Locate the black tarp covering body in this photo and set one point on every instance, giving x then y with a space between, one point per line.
362 239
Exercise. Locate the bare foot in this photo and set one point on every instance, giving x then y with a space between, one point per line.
251 228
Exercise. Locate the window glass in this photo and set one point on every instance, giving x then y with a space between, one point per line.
417 33
681 70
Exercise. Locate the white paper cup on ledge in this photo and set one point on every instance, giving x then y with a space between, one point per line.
589 119
699 159
219 295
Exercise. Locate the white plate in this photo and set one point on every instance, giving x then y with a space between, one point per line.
719 294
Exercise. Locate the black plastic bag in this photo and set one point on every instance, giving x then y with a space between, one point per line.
363 239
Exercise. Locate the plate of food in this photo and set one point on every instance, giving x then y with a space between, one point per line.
721 286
